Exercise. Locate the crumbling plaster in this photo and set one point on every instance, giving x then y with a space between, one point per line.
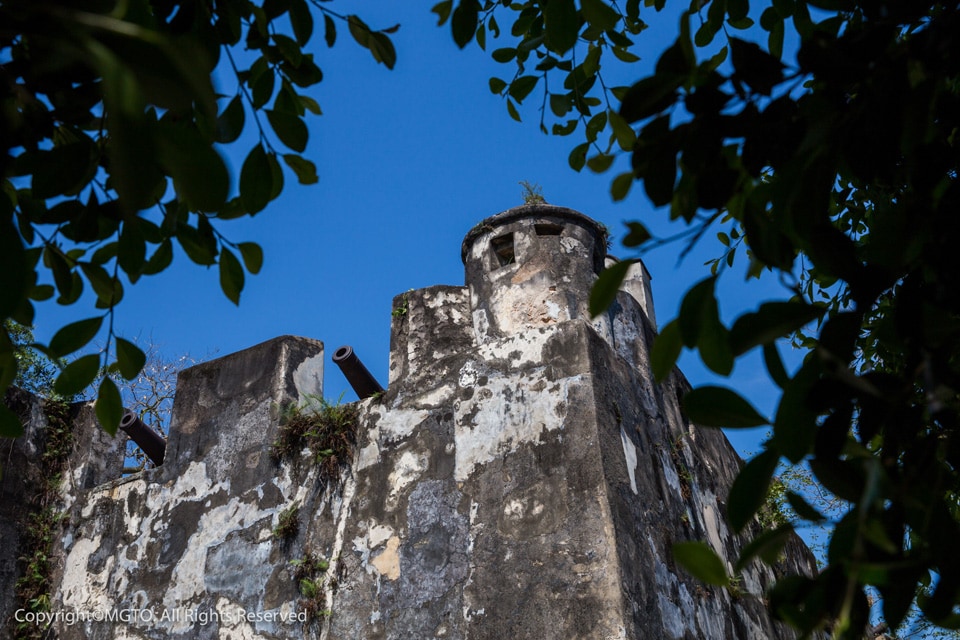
523 476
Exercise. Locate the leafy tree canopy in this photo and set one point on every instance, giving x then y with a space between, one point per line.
110 133
836 167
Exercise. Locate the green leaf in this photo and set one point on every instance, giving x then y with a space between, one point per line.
288 48
199 173
109 406
63 169
301 20
625 56
512 110
132 249
102 282
329 30
775 40
230 122
803 508
14 268
231 275
77 376
704 35
522 86
289 128
755 67
768 545
795 428
697 299
199 246
771 321
604 290
561 25
73 337
160 259
252 256
712 406
10 425
600 15
600 163
305 170
464 22
276 175
497 85
650 96
713 341
505 54
310 105
578 156
771 357
130 359
702 562
442 9
749 490
621 186
665 351
262 89
626 136
256 180
382 49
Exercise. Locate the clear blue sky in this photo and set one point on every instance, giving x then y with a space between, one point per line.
409 160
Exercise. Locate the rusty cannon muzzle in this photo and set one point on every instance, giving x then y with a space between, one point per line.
362 381
151 442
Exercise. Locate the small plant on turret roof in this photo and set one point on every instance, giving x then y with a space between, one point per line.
532 193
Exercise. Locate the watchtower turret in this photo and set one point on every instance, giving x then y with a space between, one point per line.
531 266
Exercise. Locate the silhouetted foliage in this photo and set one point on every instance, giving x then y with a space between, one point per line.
834 166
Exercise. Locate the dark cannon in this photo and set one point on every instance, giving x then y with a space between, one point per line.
356 374
151 442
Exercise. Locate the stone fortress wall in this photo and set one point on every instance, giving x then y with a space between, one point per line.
523 476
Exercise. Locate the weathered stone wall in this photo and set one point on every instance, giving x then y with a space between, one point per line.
183 549
523 476
62 454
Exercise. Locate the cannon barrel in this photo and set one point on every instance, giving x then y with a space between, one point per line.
356 374
151 442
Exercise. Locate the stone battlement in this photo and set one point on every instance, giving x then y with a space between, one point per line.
523 476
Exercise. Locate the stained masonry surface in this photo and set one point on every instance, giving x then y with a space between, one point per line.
522 477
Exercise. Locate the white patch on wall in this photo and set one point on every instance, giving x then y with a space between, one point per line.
308 379
670 473
233 624
515 411
408 468
368 456
397 424
521 349
712 525
569 244
630 455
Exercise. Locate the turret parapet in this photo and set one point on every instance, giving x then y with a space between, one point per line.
531 266
637 284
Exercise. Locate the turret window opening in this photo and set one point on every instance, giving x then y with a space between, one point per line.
548 229
503 251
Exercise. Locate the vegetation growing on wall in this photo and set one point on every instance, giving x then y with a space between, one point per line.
41 526
328 430
288 523
311 575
